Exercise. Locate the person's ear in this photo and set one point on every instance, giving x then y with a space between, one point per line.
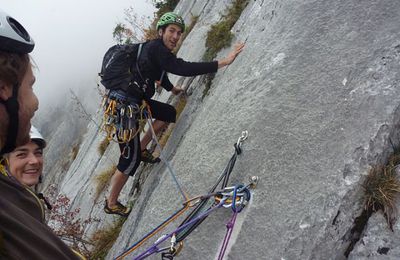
5 91
160 32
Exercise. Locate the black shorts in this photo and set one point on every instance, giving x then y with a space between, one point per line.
162 111
130 157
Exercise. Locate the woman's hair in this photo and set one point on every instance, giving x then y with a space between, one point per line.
13 67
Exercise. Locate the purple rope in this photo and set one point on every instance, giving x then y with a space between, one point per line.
154 248
229 227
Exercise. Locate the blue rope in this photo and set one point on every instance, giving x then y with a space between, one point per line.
170 169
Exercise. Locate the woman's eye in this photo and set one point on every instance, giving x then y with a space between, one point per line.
21 155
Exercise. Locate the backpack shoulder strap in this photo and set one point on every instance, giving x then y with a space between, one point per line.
137 60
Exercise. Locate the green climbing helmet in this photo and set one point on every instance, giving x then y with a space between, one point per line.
171 18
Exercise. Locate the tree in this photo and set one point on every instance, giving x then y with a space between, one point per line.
132 30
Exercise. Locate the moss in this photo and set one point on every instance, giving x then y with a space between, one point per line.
220 35
103 179
209 79
104 239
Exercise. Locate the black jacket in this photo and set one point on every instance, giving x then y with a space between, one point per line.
156 58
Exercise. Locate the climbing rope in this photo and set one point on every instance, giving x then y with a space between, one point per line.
153 232
162 157
226 197
154 249
231 223
224 178
224 202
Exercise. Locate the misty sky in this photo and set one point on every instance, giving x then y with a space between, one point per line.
71 37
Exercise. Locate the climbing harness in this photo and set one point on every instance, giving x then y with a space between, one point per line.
123 117
236 197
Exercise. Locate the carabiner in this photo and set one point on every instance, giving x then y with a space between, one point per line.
173 243
243 137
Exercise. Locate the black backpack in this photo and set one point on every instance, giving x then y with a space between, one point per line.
120 70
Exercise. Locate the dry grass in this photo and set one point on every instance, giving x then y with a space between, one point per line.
167 133
381 189
103 179
103 146
75 151
104 239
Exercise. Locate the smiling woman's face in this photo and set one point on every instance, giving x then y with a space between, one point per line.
26 163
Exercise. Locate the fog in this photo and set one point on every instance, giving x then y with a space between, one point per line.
71 38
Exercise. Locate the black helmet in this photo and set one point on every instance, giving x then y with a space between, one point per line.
13 36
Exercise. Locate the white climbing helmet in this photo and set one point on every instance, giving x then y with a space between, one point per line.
13 36
37 137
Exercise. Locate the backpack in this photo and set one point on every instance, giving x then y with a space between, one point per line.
119 69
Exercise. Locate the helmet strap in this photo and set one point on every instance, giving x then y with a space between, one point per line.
12 108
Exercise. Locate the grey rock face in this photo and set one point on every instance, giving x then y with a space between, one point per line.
317 87
378 242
